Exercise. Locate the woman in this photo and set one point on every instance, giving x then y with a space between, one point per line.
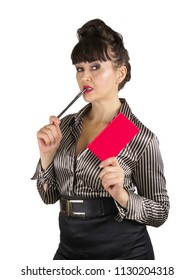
105 206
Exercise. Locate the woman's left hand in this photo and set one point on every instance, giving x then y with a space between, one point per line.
112 177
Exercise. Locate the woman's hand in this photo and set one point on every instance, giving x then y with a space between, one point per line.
112 177
49 138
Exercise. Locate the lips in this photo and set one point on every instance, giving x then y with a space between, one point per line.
88 88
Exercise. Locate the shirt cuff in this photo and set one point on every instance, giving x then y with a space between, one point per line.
122 212
43 175
135 209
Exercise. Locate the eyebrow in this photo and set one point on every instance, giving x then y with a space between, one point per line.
79 64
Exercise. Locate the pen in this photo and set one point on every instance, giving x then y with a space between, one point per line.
76 97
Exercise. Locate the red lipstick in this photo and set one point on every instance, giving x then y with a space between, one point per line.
88 88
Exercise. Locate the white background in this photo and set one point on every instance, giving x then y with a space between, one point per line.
38 80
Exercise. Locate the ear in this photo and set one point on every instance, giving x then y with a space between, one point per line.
121 74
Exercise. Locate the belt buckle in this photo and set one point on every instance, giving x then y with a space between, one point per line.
70 211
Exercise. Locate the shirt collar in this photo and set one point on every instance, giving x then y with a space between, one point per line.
125 109
79 115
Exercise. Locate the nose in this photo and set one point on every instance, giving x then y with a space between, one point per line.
86 76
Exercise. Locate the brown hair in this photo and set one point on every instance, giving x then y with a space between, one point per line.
97 41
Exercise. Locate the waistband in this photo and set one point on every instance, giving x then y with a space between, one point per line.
87 207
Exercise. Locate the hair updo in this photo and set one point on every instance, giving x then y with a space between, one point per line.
97 41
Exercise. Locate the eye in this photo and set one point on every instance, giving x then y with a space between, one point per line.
79 69
95 66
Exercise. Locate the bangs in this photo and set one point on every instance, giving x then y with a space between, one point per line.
90 49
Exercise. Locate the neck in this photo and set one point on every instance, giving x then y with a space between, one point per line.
104 111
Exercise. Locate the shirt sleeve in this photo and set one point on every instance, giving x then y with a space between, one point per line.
47 178
150 204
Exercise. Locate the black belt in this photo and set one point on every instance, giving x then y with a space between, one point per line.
87 207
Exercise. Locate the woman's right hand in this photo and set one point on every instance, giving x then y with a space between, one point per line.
49 138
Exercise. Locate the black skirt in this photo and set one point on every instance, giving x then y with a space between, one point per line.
102 238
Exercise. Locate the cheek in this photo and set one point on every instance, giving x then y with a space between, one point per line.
106 77
78 78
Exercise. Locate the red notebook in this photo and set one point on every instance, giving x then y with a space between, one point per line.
113 138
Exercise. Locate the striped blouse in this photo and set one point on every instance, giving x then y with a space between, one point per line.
141 161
